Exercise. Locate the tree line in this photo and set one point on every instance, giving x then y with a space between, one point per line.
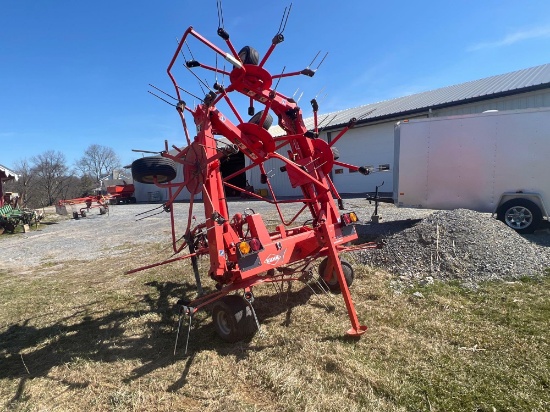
47 177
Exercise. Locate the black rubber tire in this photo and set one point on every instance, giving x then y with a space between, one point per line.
133 199
102 210
258 116
249 55
76 216
522 215
233 318
83 213
145 169
332 282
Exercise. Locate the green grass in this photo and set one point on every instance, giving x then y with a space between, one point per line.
473 350
83 336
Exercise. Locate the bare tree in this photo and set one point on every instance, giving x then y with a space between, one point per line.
75 187
51 173
87 186
98 161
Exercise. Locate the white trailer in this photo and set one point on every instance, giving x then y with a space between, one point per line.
496 162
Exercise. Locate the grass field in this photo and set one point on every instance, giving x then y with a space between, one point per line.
82 335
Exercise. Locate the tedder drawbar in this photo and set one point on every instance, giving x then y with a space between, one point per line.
243 253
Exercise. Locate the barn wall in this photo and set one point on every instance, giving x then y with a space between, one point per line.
364 146
370 145
151 193
531 100
373 144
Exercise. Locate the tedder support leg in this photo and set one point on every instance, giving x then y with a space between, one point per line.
356 328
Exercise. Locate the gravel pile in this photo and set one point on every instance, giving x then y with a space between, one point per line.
459 244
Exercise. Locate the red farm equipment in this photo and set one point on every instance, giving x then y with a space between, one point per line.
81 206
243 253
121 194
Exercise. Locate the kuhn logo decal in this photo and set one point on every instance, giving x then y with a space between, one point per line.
273 259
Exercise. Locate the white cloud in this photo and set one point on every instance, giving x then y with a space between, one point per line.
536 33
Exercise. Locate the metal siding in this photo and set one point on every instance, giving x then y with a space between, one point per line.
366 146
470 161
278 180
531 100
521 157
468 177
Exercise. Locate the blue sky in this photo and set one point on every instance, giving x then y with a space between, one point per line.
75 73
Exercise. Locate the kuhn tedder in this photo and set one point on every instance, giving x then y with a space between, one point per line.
243 253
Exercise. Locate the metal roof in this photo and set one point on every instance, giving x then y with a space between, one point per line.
520 81
7 174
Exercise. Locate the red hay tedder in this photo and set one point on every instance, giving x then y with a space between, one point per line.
243 253
81 206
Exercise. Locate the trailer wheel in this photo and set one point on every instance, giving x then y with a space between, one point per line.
331 279
144 170
522 215
233 318
133 199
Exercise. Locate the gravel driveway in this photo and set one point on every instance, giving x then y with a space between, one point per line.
62 238
97 236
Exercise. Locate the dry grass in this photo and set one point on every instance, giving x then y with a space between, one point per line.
84 336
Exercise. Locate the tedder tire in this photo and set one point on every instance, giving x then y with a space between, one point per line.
258 116
249 55
233 318
331 279
83 213
145 169
522 215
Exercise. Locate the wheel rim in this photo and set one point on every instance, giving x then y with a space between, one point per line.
518 217
333 280
223 323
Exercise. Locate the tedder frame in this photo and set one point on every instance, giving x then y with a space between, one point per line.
242 251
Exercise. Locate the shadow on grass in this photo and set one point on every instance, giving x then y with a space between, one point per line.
203 336
91 335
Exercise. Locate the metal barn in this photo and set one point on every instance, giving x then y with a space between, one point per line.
370 142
